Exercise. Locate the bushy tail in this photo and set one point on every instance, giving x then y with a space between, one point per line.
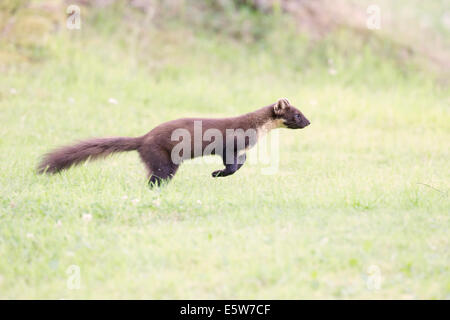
65 157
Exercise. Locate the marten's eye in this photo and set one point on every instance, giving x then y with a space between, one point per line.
297 116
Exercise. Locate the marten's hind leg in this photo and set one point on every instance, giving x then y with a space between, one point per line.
160 166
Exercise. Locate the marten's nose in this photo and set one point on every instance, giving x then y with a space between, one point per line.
307 123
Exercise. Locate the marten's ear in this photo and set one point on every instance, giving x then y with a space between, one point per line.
281 104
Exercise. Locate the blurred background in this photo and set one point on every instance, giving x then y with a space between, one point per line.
217 56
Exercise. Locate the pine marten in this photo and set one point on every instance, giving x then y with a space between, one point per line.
160 149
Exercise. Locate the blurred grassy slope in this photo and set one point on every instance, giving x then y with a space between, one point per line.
410 30
366 184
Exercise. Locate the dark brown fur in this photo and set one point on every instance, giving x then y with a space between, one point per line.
156 146
65 157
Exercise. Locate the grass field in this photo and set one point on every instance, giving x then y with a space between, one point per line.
361 195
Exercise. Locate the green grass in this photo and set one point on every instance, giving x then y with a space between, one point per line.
365 185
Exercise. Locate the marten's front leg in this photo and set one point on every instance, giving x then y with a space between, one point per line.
159 165
230 168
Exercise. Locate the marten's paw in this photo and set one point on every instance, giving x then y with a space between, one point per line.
217 173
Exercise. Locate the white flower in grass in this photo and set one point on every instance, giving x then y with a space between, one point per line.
199 202
332 71
58 224
30 235
71 100
156 202
135 201
125 197
113 101
13 91
87 217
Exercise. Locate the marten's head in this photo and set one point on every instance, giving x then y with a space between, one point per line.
291 117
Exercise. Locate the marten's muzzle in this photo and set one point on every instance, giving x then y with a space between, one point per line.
305 123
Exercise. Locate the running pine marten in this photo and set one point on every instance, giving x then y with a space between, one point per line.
162 152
